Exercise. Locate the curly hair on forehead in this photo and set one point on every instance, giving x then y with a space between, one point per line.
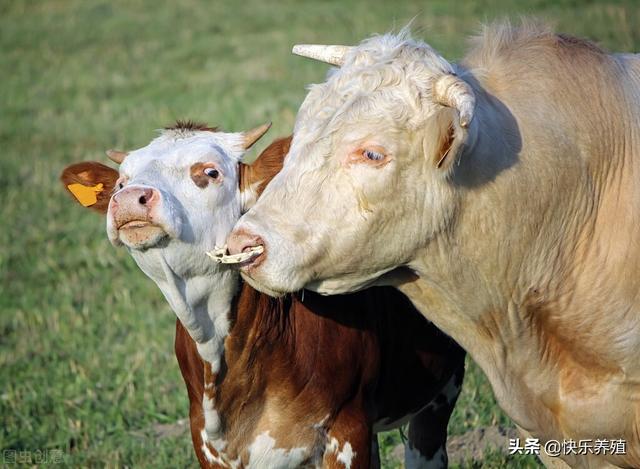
191 125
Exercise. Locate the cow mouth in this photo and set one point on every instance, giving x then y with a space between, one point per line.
134 224
250 256
140 234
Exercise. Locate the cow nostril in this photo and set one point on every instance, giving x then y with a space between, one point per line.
244 241
146 197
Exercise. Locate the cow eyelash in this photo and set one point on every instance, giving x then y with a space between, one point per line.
372 155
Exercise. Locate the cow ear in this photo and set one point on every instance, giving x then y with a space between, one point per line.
90 183
255 177
445 144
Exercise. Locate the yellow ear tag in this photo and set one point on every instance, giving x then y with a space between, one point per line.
86 195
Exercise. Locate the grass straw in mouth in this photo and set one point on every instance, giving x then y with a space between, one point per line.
220 256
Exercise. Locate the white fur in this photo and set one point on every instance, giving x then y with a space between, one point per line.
263 453
377 96
211 418
344 455
199 291
212 458
219 445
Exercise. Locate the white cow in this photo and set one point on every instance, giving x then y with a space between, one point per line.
502 195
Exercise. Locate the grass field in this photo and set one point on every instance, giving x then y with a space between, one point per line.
86 361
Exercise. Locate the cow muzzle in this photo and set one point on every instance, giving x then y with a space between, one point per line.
253 255
133 217
243 248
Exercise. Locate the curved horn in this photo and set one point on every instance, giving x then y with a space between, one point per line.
333 55
117 156
251 136
451 91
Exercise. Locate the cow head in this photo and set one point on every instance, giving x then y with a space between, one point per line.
173 200
181 188
367 182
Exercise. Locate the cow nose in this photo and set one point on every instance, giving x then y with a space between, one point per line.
143 196
242 240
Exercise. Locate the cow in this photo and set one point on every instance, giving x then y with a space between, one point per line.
501 195
301 381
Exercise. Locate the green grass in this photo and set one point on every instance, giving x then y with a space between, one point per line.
86 362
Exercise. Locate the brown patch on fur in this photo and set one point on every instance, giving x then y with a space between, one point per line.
198 176
209 380
189 124
90 173
266 166
325 367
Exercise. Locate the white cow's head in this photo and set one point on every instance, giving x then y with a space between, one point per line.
172 201
366 183
179 195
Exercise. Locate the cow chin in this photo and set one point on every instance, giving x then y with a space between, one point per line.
277 284
262 287
141 235
345 284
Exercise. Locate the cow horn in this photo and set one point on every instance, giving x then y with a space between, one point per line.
333 55
451 91
251 136
117 156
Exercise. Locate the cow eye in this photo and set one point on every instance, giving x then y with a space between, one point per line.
372 155
213 173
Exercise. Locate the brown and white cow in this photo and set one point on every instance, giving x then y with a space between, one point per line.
300 381
508 187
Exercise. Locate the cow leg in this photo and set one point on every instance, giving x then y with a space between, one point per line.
192 369
375 453
426 446
349 441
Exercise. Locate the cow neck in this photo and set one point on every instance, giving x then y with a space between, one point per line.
203 303
263 331
260 320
